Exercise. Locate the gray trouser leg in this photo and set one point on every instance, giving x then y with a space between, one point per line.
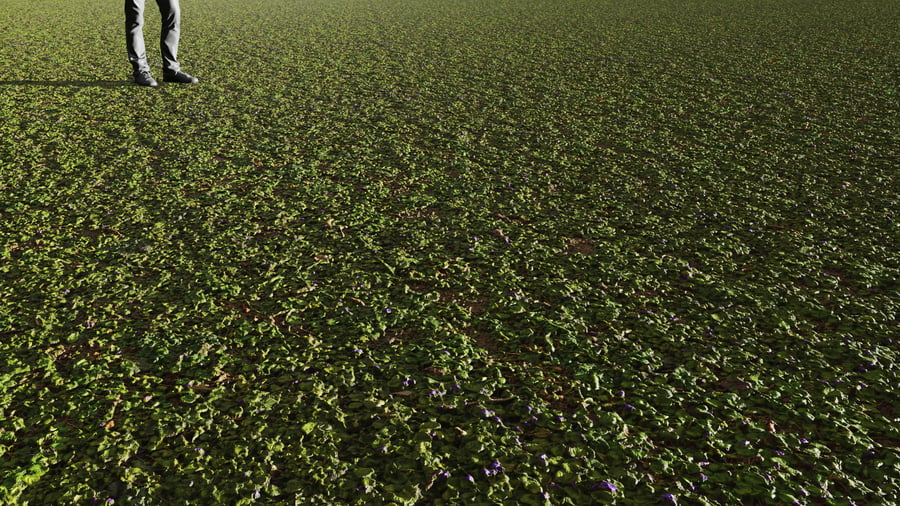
134 36
171 31
168 40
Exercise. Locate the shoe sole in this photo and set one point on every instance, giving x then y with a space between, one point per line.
195 81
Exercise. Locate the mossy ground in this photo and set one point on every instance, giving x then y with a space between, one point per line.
422 251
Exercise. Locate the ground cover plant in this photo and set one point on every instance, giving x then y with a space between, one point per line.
445 252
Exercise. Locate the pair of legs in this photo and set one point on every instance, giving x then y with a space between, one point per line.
168 42
170 11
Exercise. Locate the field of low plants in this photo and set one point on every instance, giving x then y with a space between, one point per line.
452 252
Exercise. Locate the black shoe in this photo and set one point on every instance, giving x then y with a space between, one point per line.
179 77
143 78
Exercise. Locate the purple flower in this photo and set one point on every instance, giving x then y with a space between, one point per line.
608 486
669 498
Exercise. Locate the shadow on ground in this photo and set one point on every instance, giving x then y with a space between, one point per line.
76 84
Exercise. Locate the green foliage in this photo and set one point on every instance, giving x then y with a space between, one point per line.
452 252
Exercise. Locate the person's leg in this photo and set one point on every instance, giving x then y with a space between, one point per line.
168 42
134 36
171 31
